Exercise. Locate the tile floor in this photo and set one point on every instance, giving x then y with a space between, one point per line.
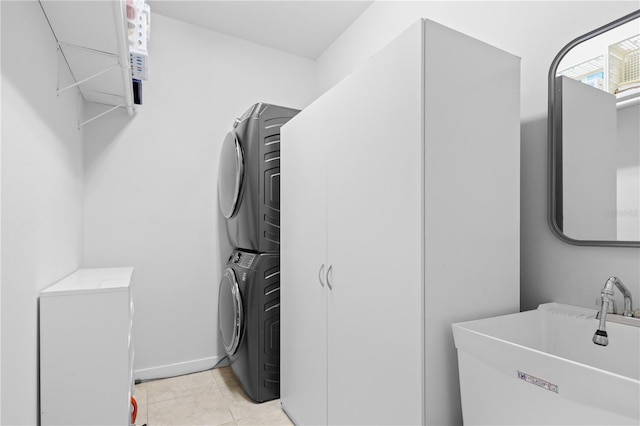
212 397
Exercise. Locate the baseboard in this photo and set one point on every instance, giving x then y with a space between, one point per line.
177 369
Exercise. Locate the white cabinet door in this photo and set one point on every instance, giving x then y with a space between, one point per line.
303 313
374 209
588 114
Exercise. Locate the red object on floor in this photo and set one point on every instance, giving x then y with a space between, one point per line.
134 414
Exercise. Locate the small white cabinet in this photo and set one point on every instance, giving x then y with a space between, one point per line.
86 348
399 216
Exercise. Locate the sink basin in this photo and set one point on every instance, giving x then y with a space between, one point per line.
541 367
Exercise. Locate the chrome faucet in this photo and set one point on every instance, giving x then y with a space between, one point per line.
600 337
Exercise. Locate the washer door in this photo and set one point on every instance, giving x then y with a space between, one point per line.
230 175
230 313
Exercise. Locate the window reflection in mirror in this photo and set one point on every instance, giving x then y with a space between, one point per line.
596 113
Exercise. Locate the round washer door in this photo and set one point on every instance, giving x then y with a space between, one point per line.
230 311
230 175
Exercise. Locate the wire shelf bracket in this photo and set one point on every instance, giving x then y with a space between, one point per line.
78 83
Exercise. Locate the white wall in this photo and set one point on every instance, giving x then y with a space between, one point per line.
551 270
41 196
151 184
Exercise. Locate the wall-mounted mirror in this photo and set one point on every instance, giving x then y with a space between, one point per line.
594 134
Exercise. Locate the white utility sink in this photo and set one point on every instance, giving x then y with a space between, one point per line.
541 367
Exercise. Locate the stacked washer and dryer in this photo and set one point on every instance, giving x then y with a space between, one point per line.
249 297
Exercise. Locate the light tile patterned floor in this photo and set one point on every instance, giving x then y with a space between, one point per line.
211 397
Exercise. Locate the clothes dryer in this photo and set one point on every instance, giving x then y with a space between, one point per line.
249 178
249 319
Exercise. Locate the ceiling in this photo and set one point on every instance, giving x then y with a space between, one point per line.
303 27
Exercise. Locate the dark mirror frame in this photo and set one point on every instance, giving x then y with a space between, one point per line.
555 141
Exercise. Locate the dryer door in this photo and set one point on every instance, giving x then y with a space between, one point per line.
230 313
230 175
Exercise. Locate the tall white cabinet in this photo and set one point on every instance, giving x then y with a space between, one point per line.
86 349
400 215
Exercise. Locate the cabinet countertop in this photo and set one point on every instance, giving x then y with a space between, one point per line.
92 281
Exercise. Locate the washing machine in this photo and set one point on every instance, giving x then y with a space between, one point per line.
249 178
249 320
